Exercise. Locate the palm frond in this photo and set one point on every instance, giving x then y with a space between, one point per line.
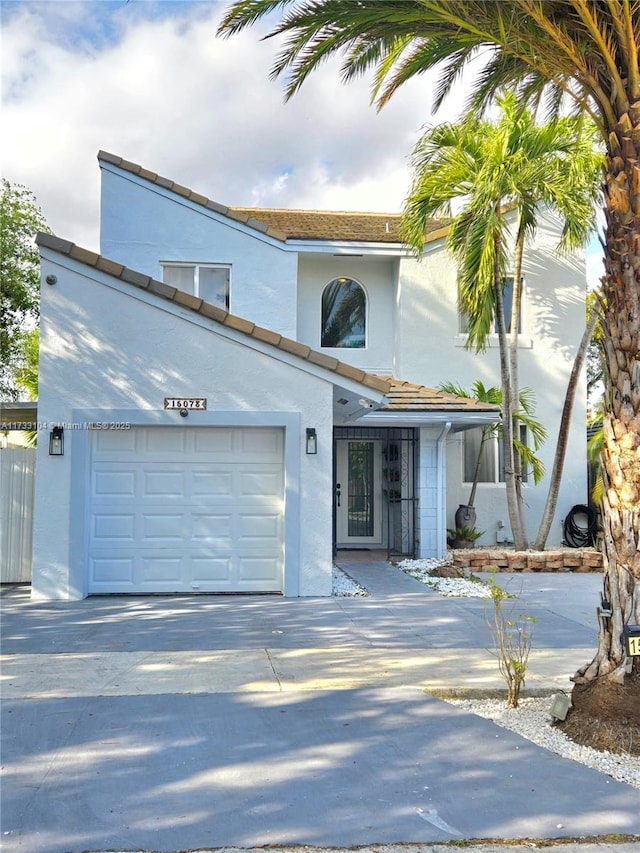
577 49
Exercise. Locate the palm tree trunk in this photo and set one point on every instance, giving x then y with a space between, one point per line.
563 436
516 301
507 418
620 461
486 434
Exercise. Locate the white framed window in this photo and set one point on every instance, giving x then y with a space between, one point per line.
344 315
491 469
210 282
507 296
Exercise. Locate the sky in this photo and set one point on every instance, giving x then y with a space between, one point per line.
150 81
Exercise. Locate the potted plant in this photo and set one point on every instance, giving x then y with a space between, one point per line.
465 516
463 537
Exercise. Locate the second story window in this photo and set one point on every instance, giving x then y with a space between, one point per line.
507 296
208 281
344 309
491 466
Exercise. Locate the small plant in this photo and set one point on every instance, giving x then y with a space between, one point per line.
512 636
458 535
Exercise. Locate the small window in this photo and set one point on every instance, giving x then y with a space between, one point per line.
507 299
344 308
209 282
491 468
507 296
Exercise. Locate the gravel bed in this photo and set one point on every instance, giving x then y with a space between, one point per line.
452 587
345 587
531 720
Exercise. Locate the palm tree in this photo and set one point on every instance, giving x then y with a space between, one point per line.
583 51
502 169
563 434
524 415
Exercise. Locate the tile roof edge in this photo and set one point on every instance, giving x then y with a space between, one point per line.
469 403
241 213
378 213
204 309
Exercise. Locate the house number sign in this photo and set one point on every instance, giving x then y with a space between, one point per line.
183 403
631 635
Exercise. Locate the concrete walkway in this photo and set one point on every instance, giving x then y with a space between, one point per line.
173 723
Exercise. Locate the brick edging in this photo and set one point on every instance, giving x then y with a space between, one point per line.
561 560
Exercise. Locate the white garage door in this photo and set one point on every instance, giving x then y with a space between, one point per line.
179 509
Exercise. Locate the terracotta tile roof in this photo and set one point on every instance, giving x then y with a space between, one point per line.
284 224
334 225
407 397
401 396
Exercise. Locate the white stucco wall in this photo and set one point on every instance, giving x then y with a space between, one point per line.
430 350
412 324
142 224
378 278
432 475
112 349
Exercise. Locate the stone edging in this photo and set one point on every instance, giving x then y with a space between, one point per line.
560 560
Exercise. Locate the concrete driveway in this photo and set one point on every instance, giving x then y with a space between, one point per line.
178 723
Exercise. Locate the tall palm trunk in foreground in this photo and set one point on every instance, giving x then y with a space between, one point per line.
619 301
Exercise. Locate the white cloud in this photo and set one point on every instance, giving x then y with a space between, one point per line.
167 93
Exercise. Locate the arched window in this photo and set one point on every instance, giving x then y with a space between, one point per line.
344 309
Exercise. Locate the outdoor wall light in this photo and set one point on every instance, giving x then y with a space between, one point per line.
56 441
312 441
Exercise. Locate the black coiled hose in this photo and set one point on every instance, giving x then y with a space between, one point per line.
577 535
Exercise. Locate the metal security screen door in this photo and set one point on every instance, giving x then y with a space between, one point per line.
375 478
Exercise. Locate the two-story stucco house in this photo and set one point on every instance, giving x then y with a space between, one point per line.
238 392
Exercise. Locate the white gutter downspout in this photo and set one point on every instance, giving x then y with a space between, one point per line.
441 491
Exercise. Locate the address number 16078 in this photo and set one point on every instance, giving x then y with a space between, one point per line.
185 403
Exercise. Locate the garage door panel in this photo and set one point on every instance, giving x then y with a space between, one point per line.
256 569
202 511
109 570
164 441
213 482
111 528
162 483
114 442
260 443
214 529
164 527
211 569
115 482
266 483
259 530
220 441
161 567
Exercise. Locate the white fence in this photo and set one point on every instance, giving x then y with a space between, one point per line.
17 479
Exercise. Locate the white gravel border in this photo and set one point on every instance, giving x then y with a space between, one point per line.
531 720
451 587
346 587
